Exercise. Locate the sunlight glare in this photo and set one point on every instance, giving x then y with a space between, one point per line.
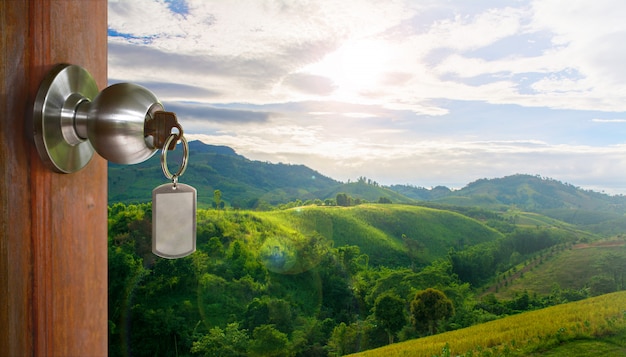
356 66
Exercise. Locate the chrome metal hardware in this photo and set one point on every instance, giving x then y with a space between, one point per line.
125 123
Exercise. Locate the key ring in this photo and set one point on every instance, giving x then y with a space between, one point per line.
183 164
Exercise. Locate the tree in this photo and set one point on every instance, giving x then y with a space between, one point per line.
429 307
231 341
217 199
343 200
614 267
268 341
389 312
384 200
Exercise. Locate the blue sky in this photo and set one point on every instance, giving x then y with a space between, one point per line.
403 92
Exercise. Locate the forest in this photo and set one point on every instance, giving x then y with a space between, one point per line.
326 280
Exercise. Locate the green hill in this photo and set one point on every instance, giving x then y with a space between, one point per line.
367 192
250 184
597 325
385 232
598 266
243 183
527 192
307 273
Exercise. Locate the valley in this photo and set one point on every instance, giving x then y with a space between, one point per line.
298 264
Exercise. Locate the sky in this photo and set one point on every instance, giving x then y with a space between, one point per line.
418 92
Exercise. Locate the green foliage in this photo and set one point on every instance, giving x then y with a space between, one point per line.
590 267
319 280
555 331
217 200
231 341
243 183
268 342
389 311
428 308
343 200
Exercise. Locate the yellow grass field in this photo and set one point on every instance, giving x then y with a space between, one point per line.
593 317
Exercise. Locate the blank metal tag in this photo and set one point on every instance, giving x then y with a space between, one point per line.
173 220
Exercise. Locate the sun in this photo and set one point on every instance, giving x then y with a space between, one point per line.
355 67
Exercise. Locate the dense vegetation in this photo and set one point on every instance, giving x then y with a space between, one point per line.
309 280
292 263
249 184
245 183
593 327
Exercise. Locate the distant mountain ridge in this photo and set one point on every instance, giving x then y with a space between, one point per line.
530 192
595 211
242 182
246 183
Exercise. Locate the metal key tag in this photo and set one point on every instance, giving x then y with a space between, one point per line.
174 211
173 220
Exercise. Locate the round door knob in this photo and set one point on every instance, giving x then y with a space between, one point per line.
71 120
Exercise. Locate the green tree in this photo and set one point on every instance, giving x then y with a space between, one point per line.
384 200
428 308
269 311
389 312
343 200
217 199
231 341
347 339
268 341
613 265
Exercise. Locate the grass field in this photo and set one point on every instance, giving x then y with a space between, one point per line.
597 324
379 229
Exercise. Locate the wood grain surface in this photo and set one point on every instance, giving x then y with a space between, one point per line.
53 227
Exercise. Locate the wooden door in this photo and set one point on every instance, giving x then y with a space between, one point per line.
53 227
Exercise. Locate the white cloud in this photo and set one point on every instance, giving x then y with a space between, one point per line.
409 90
598 120
437 162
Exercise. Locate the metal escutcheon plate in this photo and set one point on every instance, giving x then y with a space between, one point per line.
58 96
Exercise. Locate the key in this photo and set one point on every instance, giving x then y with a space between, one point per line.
160 127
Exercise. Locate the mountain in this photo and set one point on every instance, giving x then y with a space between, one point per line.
242 182
596 211
527 192
252 184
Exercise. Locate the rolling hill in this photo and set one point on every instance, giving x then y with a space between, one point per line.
557 331
385 232
528 193
253 184
597 266
243 182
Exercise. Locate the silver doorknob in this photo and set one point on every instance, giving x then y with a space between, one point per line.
71 120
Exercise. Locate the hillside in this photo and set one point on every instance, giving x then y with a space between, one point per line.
598 266
386 232
367 192
589 210
310 275
526 192
253 184
243 183
558 330
306 277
